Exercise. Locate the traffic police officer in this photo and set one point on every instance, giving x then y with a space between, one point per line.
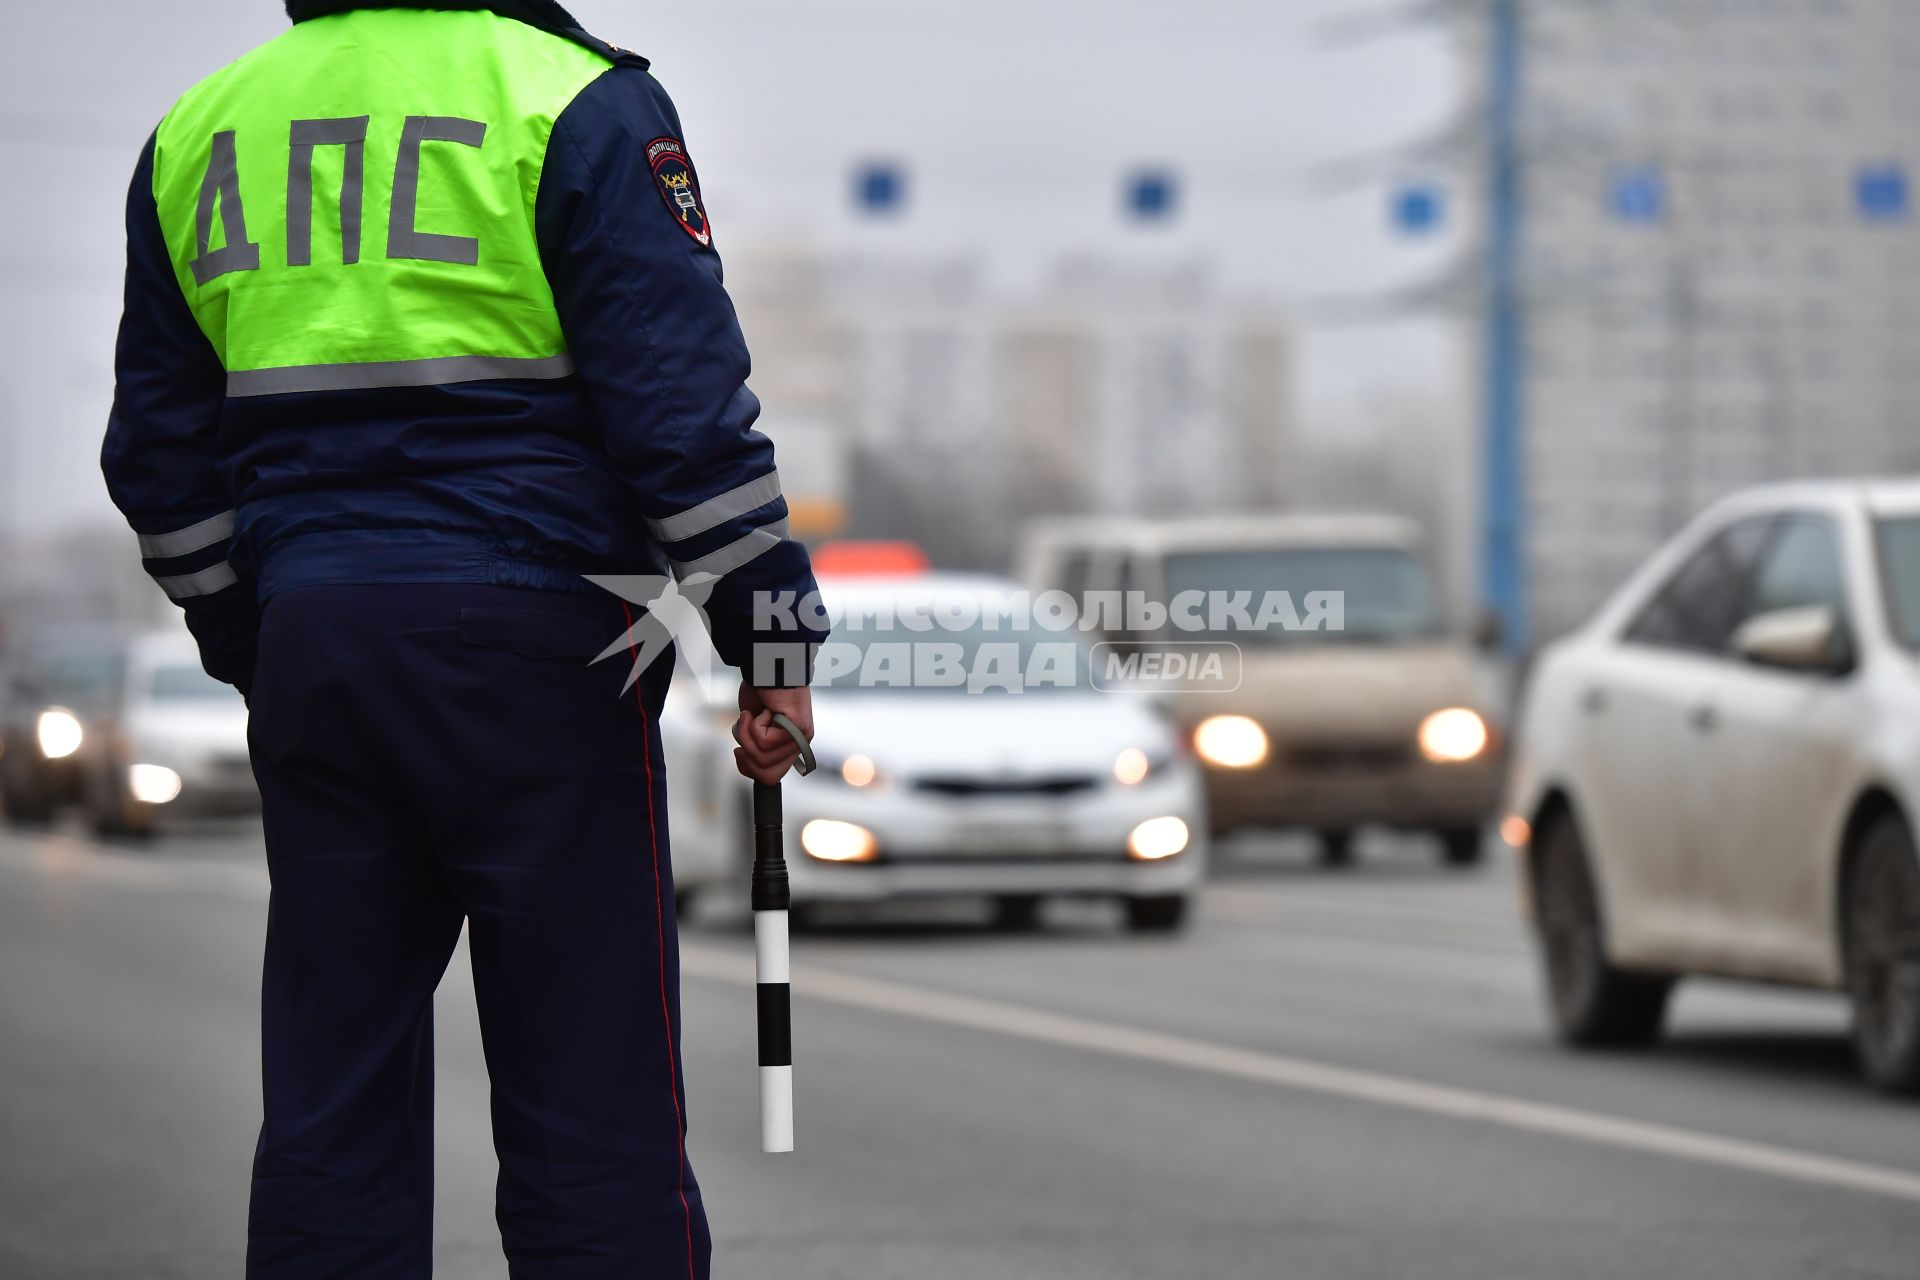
424 323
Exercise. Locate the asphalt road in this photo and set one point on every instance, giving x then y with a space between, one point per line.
1329 1076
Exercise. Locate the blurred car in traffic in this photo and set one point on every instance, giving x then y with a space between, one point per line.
1393 719
172 741
56 687
953 789
1720 773
128 730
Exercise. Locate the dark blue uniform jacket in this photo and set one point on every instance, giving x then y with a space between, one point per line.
516 483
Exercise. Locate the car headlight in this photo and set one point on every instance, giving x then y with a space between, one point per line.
1132 767
1453 736
857 771
1231 742
832 841
153 783
1157 838
59 732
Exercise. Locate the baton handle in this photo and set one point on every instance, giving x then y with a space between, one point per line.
770 891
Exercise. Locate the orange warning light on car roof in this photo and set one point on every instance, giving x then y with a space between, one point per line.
871 560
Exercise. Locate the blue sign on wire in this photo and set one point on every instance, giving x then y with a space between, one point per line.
1152 195
880 187
1419 209
1638 194
1881 192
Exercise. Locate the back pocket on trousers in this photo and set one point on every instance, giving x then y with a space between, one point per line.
538 633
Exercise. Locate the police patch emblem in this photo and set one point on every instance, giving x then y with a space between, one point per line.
679 187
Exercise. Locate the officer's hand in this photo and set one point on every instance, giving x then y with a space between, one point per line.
767 751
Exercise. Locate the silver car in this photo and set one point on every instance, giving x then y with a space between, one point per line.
173 741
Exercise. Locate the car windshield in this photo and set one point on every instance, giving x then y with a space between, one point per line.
1388 591
952 647
1900 570
185 682
81 675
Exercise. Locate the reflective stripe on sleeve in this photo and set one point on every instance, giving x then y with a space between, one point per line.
164 546
204 583
734 554
374 375
730 505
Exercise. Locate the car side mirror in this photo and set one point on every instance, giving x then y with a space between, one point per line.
1802 639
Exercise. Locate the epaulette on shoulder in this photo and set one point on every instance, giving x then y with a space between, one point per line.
612 52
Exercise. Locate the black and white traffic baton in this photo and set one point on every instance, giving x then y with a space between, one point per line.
773 988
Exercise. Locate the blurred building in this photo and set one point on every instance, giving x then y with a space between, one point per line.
84 575
879 373
1114 388
1721 262
1138 389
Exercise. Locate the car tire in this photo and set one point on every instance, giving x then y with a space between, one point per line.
805 917
1162 913
1462 846
1880 941
111 811
25 805
103 812
1017 912
1592 1003
1336 849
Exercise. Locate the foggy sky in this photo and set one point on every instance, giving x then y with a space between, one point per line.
1017 117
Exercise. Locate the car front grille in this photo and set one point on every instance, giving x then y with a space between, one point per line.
1346 757
962 787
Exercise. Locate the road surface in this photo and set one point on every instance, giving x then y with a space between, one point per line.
1328 1076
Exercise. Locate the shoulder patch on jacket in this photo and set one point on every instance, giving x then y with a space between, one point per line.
680 188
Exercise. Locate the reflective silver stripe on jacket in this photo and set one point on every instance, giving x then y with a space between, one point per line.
164 546
374 375
714 512
204 583
734 554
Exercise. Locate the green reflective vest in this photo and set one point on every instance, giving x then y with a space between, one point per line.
352 204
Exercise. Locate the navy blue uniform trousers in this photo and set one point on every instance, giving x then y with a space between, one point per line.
428 756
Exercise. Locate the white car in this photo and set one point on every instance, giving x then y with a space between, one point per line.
942 791
1720 774
173 741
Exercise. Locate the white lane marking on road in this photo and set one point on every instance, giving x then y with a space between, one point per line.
926 1005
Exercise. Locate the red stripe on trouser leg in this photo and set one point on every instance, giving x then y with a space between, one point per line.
660 919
